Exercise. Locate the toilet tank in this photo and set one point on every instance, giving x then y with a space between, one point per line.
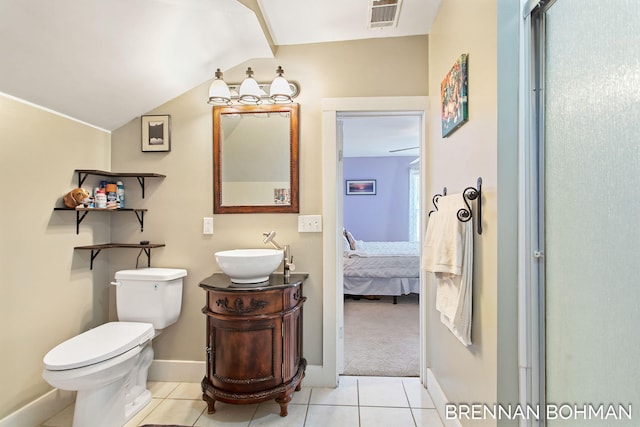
151 295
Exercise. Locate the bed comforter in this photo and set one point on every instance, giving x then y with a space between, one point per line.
382 268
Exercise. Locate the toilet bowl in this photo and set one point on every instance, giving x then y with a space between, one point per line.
108 365
101 364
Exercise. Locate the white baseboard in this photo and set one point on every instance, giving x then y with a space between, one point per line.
192 371
39 410
44 407
314 377
439 399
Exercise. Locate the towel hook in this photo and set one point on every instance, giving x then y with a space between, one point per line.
472 193
465 214
435 199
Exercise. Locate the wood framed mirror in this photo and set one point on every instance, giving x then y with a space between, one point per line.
255 159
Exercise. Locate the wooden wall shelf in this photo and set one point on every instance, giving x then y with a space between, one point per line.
82 212
95 249
83 173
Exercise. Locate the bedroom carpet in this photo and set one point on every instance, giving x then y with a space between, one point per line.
382 338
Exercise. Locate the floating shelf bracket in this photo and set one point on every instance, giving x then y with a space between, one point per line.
141 182
140 216
79 217
94 254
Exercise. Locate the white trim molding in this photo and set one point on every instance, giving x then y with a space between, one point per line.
332 313
439 400
39 410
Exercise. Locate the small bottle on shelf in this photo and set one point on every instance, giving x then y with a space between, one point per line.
111 195
120 194
101 199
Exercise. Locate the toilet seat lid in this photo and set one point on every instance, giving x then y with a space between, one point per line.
98 344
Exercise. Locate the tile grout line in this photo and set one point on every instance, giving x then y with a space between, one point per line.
306 412
308 404
162 399
358 394
255 411
200 416
406 395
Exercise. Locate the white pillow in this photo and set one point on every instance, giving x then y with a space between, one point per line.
350 239
345 244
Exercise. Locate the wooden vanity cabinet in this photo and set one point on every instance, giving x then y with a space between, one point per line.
254 340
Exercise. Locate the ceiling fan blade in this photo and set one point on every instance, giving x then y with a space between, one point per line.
403 149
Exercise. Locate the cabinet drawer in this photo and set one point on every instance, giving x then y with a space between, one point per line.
244 304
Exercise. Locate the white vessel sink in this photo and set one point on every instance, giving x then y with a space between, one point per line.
249 265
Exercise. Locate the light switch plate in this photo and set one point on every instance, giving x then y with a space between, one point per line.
207 225
310 223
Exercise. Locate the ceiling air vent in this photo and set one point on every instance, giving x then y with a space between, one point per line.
384 13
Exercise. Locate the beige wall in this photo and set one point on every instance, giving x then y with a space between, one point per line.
47 292
178 203
43 276
468 374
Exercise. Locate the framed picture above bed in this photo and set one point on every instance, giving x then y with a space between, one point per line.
361 187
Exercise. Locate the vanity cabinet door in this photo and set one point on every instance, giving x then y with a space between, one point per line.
245 356
254 342
291 343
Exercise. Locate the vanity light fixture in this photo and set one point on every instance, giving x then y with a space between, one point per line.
250 92
219 92
280 91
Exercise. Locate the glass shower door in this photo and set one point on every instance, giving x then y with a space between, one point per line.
590 80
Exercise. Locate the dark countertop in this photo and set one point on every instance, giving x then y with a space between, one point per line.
222 282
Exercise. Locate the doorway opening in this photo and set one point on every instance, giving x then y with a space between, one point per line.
332 208
381 242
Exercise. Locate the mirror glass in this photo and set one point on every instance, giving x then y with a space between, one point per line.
255 158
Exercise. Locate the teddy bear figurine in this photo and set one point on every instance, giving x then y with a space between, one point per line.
77 197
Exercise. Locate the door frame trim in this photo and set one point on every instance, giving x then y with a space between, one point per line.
332 313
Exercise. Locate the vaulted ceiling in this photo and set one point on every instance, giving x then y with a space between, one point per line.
105 62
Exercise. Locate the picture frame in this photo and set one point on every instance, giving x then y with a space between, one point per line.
454 108
360 187
282 196
156 133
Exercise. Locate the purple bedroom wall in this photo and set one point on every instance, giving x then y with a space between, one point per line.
383 217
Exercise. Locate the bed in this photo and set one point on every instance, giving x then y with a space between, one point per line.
381 268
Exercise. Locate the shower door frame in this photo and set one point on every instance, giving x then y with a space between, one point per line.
531 274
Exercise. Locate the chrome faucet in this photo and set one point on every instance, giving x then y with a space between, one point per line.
288 258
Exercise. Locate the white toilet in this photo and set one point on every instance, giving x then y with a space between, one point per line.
108 365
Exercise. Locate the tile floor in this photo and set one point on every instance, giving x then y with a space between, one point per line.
357 402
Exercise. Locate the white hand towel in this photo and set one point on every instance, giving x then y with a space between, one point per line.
448 253
443 244
458 290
